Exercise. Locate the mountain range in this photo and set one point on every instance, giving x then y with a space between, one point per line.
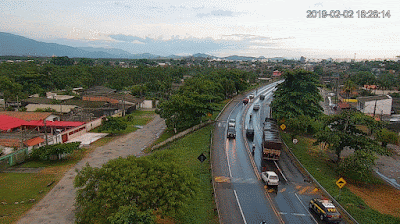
15 45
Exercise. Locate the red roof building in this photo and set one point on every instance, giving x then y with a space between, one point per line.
8 123
34 141
55 124
276 73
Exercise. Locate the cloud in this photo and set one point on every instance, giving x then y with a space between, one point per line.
216 13
192 45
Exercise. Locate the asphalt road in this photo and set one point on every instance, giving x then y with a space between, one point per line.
241 196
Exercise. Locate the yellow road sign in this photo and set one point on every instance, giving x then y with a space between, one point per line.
283 127
341 182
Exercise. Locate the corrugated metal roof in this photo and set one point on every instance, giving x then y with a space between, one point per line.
373 98
54 123
27 116
34 141
8 122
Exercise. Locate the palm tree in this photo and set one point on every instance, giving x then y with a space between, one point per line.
349 87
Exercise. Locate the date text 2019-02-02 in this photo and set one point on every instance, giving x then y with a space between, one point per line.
361 14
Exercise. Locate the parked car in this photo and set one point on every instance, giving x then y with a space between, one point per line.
325 210
256 106
270 178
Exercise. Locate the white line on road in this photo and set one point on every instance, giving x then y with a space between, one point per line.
298 214
276 164
305 207
227 158
240 207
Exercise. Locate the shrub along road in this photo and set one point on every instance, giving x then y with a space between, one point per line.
58 205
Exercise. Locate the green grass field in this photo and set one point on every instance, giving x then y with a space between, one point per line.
16 190
187 149
137 118
317 163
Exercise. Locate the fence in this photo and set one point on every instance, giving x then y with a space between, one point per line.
13 158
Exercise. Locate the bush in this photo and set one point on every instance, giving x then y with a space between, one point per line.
114 125
358 166
44 152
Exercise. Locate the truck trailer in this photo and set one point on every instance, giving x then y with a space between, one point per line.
271 143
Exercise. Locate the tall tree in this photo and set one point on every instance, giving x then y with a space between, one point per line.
344 130
349 87
297 95
133 185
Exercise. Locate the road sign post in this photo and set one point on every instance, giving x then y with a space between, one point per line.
340 183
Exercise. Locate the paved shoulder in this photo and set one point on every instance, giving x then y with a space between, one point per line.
58 205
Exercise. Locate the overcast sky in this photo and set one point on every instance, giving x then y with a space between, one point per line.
217 27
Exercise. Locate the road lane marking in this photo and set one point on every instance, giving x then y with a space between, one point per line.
280 171
303 190
305 208
227 157
240 207
298 214
222 179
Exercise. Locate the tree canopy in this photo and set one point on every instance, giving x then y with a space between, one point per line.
199 95
297 95
143 187
344 130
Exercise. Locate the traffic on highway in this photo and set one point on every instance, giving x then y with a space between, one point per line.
255 180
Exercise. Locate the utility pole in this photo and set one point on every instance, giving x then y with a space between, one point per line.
17 103
45 132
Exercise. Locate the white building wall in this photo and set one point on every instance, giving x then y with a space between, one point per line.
382 107
147 104
94 124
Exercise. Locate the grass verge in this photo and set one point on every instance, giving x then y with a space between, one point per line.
16 189
187 149
318 164
136 118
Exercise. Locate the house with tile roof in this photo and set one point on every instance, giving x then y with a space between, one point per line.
31 116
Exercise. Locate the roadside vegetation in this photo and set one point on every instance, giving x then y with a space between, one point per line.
127 124
324 138
161 172
381 205
197 99
20 191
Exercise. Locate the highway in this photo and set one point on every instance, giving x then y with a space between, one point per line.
241 195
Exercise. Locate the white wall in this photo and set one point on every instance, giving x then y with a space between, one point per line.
382 107
148 104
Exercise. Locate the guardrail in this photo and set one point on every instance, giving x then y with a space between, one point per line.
289 151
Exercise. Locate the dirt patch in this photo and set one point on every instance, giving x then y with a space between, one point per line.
382 198
57 170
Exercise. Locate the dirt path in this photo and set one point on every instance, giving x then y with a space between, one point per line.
57 206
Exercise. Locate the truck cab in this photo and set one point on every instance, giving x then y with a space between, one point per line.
231 133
